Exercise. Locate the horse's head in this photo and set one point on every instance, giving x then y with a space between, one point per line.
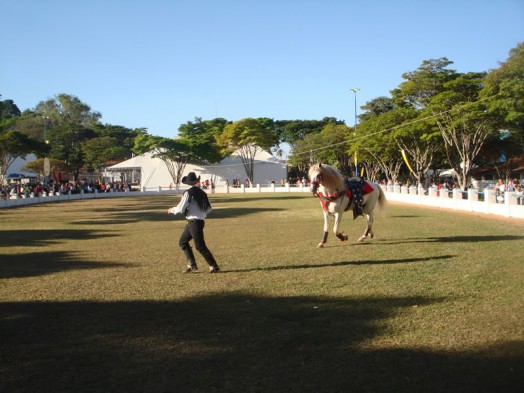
315 178
326 176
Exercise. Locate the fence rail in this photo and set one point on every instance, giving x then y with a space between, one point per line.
507 205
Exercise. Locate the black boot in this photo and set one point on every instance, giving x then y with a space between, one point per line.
191 264
210 259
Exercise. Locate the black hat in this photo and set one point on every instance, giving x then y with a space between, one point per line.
190 179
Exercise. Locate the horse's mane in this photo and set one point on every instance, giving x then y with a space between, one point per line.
331 176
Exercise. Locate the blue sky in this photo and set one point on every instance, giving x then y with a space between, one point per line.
160 63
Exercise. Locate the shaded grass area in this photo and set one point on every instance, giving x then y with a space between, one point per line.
92 300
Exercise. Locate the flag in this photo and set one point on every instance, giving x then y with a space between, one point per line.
406 161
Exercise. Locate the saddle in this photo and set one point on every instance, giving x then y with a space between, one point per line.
356 188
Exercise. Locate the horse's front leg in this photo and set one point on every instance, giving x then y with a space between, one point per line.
369 229
326 230
342 236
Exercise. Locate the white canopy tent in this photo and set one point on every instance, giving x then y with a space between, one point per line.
151 172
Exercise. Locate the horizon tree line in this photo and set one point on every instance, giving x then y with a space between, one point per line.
436 118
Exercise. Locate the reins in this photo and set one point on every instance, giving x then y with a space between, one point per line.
325 200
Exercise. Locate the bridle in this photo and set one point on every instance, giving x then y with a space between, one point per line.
325 199
315 183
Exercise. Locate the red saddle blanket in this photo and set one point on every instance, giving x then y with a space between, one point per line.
366 189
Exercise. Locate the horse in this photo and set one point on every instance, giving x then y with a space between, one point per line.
336 196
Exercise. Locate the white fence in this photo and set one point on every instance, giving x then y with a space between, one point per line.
486 202
470 201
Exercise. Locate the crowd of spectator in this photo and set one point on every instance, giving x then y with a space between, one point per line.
513 186
37 189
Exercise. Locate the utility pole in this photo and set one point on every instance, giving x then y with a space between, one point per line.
355 90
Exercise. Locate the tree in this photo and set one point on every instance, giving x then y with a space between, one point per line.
124 137
417 138
143 143
291 131
248 137
68 109
423 84
201 136
65 141
504 93
37 166
69 122
463 122
419 141
376 107
98 152
376 142
8 110
336 136
304 154
176 155
14 144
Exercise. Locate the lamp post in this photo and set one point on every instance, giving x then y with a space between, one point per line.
355 90
47 166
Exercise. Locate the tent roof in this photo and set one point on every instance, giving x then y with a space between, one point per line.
133 163
147 158
448 172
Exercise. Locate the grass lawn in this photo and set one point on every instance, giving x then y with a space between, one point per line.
92 299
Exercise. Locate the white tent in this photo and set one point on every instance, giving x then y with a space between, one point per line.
18 163
151 172
448 173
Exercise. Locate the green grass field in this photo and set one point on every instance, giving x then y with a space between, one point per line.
93 300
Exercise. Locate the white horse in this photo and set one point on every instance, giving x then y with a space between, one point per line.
330 187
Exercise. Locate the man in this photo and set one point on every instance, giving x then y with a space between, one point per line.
195 206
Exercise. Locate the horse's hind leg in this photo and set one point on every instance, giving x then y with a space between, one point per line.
369 229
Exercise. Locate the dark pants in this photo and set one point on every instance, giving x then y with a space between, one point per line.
194 230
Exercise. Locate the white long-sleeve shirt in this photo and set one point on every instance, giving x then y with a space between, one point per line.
193 212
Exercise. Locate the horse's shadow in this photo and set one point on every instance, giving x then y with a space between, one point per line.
337 264
449 239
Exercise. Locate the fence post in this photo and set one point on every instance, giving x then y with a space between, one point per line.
443 193
457 195
420 193
472 197
507 202
488 200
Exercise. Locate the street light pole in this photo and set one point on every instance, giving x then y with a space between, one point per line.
355 90
47 168
45 128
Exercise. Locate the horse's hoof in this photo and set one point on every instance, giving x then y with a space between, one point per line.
320 245
361 240
342 236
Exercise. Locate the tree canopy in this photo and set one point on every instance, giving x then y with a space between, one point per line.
247 137
436 117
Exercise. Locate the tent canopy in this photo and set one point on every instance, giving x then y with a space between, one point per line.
154 173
